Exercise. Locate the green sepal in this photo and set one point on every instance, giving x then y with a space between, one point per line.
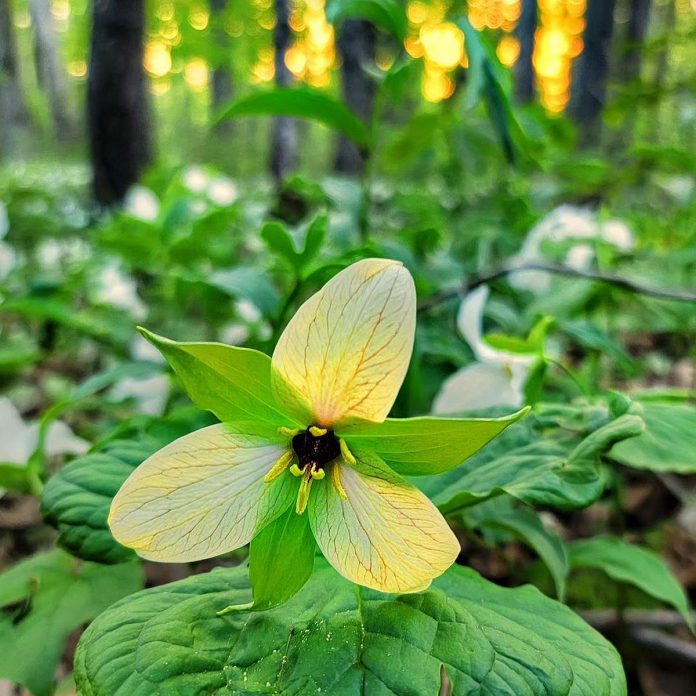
234 383
424 446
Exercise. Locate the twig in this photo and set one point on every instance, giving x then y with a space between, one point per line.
663 645
617 281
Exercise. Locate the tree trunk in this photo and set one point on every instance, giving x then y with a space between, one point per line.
221 82
284 138
632 57
524 68
356 46
589 87
13 113
49 69
117 103
669 17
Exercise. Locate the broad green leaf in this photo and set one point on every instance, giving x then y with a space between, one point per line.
540 461
668 442
281 559
527 526
77 499
302 102
43 599
634 565
385 14
247 283
314 239
233 383
424 446
337 638
15 478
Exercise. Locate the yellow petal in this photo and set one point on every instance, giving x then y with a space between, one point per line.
345 353
201 496
386 535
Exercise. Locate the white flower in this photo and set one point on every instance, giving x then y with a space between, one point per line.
118 290
223 191
234 334
149 393
52 253
496 378
19 439
248 311
566 223
195 179
141 203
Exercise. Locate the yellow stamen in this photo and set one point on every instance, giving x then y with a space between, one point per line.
303 493
336 480
289 432
295 470
347 454
279 467
317 432
317 474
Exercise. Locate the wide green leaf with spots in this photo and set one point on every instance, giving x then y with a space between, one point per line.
336 638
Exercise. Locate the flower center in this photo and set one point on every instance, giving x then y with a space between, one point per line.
316 449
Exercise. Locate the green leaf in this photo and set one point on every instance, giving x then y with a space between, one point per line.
281 559
634 565
279 242
425 446
668 443
77 499
337 638
385 14
15 478
527 526
233 383
539 463
247 283
301 102
314 239
43 599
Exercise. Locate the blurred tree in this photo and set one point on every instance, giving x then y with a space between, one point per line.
284 139
589 87
356 46
631 59
13 113
49 69
524 68
221 81
119 124
668 18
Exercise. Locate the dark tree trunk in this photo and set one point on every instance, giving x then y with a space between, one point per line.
589 87
221 82
669 16
632 57
13 113
117 102
524 68
284 139
49 70
356 46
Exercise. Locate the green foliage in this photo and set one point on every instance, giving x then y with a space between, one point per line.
77 499
540 461
301 102
668 442
42 600
524 524
634 565
342 640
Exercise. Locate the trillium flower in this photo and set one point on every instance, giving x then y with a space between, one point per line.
496 378
308 431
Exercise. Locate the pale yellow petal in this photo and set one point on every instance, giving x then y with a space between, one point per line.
201 496
345 353
386 534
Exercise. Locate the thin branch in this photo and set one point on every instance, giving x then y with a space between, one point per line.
609 279
607 619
